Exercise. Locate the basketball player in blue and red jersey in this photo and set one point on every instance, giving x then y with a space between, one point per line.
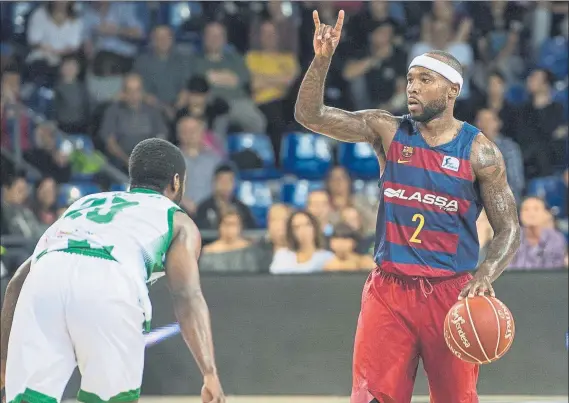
437 175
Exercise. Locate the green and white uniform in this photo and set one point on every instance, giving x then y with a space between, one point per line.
85 301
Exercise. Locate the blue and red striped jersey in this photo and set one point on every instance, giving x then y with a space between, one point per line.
429 203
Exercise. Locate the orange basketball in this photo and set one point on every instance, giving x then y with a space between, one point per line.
479 330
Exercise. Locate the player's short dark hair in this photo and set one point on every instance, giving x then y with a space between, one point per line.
447 58
154 163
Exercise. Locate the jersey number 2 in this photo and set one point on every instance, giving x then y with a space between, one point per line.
421 219
92 209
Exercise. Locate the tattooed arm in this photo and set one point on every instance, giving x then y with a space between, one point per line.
500 206
310 111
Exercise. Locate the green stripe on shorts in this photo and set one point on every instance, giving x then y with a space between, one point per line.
31 396
88 397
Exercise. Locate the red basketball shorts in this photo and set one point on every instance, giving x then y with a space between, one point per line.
401 320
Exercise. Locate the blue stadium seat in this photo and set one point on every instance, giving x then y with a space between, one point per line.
259 144
306 155
359 159
70 192
516 94
258 197
553 56
368 188
295 194
119 187
179 13
552 190
82 142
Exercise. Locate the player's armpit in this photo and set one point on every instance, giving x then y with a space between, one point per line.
184 282
362 126
499 203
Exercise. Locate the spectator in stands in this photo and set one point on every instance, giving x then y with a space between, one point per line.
319 205
342 195
54 30
489 123
275 237
45 196
72 103
112 32
196 101
15 124
343 243
229 79
377 75
352 218
494 99
541 131
285 26
129 121
164 71
201 162
541 247
372 15
210 210
272 74
305 252
17 219
50 159
231 252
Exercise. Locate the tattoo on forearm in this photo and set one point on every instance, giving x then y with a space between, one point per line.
500 206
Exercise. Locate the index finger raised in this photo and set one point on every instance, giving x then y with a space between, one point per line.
339 21
316 18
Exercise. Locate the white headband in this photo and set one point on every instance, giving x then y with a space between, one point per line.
438 67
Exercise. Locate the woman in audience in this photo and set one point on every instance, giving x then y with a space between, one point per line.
541 247
305 252
231 252
43 204
275 238
339 187
343 243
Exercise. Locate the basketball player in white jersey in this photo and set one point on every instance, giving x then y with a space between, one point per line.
82 299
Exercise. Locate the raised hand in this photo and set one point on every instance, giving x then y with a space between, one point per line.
326 38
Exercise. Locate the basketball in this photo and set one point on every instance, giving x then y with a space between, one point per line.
479 330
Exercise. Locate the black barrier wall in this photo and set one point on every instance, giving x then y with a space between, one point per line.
294 335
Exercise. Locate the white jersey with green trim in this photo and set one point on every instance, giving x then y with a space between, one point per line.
134 228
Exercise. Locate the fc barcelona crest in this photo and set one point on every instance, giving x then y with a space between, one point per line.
407 152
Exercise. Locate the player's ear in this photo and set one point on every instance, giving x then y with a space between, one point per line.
176 183
454 91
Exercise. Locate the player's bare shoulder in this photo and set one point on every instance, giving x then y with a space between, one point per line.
186 232
486 159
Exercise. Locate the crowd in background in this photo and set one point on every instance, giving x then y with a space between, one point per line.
196 72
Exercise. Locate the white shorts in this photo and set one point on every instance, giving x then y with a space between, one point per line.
73 311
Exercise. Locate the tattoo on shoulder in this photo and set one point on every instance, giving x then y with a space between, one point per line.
487 161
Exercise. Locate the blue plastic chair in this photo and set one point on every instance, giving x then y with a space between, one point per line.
516 94
258 197
296 193
306 155
553 56
551 189
359 159
259 144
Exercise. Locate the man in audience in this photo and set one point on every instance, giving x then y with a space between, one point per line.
13 115
163 70
541 132
318 204
229 79
201 162
272 73
489 123
72 102
50 159
17 219
210 210
197 101
375 75
112 32
541 247
129 121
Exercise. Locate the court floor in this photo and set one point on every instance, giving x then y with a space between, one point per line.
329 399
